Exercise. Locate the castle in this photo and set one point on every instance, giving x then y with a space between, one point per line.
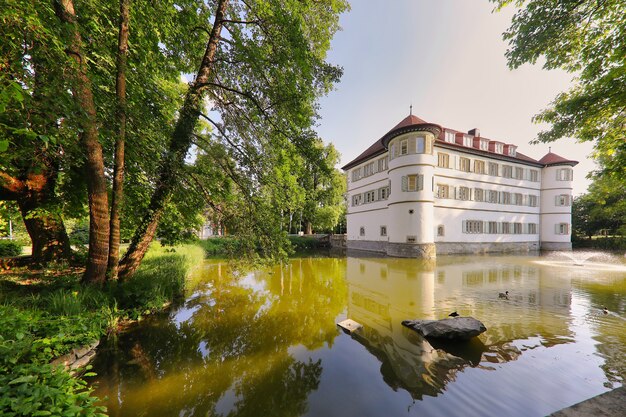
423 189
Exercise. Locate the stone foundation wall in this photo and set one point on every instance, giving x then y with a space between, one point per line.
367 245
412 250
450 248
558 246
430 250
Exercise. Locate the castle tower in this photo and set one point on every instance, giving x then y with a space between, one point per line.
410 207
556 202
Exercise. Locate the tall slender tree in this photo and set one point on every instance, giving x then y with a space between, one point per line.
118 169
94 166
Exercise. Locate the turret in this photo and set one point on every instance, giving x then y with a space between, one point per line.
410 207
556 202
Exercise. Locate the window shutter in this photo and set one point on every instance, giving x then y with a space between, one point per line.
420 182
412 148
454 192
464 226
404 183
556 229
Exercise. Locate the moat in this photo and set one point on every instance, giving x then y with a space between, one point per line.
266 343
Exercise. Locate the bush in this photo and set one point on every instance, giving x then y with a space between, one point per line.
39 322
305 243
10 248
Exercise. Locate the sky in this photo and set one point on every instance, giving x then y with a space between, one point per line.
447 59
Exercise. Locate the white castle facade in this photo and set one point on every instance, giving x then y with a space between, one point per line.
423 190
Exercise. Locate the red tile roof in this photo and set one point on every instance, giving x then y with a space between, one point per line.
378 148
553 159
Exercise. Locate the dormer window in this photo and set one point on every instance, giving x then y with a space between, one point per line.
484 145
499 148
467 141
512 151
450 137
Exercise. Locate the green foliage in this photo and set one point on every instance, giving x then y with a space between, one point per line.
586 38
306 243
43 321
10 248
36 389
602 210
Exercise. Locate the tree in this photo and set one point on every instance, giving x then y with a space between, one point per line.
602 208
94 168
587 38
120 141
263 80
324 187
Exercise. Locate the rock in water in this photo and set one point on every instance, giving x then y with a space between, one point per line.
458 328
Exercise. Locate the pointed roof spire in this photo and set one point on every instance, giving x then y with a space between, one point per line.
411 110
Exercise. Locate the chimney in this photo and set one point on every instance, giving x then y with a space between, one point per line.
474 132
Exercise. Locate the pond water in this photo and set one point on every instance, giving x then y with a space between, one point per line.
266 343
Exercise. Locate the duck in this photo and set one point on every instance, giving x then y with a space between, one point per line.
504 295
605 310
453 314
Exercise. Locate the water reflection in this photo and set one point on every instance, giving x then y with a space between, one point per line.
225 351
266 343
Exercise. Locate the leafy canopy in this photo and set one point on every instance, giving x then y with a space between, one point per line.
587 38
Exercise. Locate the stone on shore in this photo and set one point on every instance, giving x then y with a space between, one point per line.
458 328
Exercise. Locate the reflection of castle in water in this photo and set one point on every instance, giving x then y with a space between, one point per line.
383 292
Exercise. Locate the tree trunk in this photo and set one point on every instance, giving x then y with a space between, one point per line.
175 157
39 209
118 169
309 228
94 168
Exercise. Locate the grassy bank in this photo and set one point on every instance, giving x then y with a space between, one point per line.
229 246
45 314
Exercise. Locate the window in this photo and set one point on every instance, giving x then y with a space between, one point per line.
517 228
532 228
519 173
507 171
534 175
532 200
564 174
506 197
467 141
498 147
368 169
562 229
464 193
484 145
506 227
450 137
440 230
357 200
404 147
443 191
413 182
382 164
383 230
362 231
563 200
356 174
493 196
383 193
420 144
443 160
518 199
473 226
479 194
370 196
493 228
512 150
493 169
464 164
479 167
